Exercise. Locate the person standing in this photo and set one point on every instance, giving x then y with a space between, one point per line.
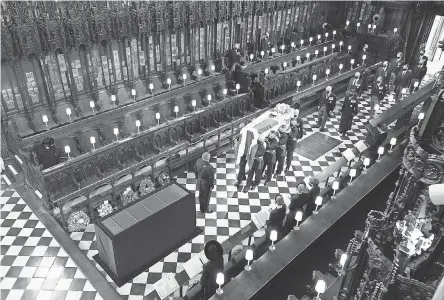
326 105
265 45
243 160
313 193
296 133
353 83
270 156
418 73
255 164
277 216
284 131
214 252
205 182
402 81
394 67
48 155
377 95
382 72
348 111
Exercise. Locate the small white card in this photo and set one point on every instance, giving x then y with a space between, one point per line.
348 154
361 146
193 266
259 219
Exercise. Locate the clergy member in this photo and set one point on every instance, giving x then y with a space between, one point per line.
348 111
270 156
205 181
326 105
48 155
255 163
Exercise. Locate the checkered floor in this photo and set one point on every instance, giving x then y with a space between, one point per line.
34 265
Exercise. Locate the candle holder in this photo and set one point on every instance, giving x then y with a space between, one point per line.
335 187
116 133
318 203
352 175
68 112
92 141
45 120
113 99
138 126
298 218
273 238
151 86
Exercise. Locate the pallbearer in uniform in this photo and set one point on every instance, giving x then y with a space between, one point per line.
348 111
296 133
418 73
255 164
270 156
383 73
353 83
205 182
326 105
394 67
379 89
284 131
402 81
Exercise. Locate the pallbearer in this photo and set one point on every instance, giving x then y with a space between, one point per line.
284 132
327 104
204 172
270 156
255 163
349 110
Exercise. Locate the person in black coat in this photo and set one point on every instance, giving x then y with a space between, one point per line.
270 156
297 131
402 81
277 216
205 182
48 155
313 193
379 90
348 111
297 203
327 104
418 73
382 72
214 252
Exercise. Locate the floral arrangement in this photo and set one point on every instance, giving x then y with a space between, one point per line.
77 221
163 178
146 186
282 109
128 196
105 209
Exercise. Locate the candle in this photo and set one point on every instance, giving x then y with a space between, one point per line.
308 55
45 120
333 46
209 98
327 72
349 48
347 22
93 141
251 57
340 45
193 104
421 116
158 118
285 64
326 35
113 99
314 78
358 24
319 38
116 131
340 67
138 125
334 33
151 86
199 71
366 164
169 83
310 40
298 58
237 88
68 111
176 110
316 53
369 26
212 68
133 92
224 92
352 62
302 43
293 45
380 152
273 50
262 54
266 71
248 257
325 50
343 260
395 30
374 26
68 150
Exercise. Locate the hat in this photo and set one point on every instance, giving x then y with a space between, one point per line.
314 181
48 141
213 248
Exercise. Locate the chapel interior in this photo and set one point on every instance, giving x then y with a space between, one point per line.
194 150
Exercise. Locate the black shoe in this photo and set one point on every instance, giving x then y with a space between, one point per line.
237 183
253 187
209 211
266 183
245 189
322 129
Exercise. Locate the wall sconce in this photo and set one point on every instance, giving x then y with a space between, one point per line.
193 104
380 152
116 133
392 144
68 112
158 118
335 187
176 110
92 105
298 218
92 140
67 151
318 203
273 238
133 93
219 281
151 86
113 99
169 83
352 175
138 125
184 77
298 83
366 164
237 88
45 120
352 62
248 257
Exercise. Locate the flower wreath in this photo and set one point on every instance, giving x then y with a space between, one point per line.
146 186
163 178
77 221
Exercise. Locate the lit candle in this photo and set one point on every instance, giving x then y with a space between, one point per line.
318 202
298 218
237 88
293 45
326 36
364 57
369 26
273 238
325 50
193 104
113 99
340 67
327 72
133 93
335 187
314 78
302 43
282 49
151 86
319 38
310 40
349 48
352 175
298 59
358 24
116 133
199 72
176 110
213 68
266 71
138 125
320 288
251 57
67 151
395 30
284 64
392 143
219 281
184 77
68 112
158 118
308 56
224 92
340 45
249 258
374 26
209 99
333 46
169 83
273 50
92 105
92 141
421 116
380 152
316 53
262 54
334 33
45 120
352 62
347 23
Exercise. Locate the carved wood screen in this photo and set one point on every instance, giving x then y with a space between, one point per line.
55 52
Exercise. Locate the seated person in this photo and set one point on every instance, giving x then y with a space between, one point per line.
297 203
48 155
277 216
